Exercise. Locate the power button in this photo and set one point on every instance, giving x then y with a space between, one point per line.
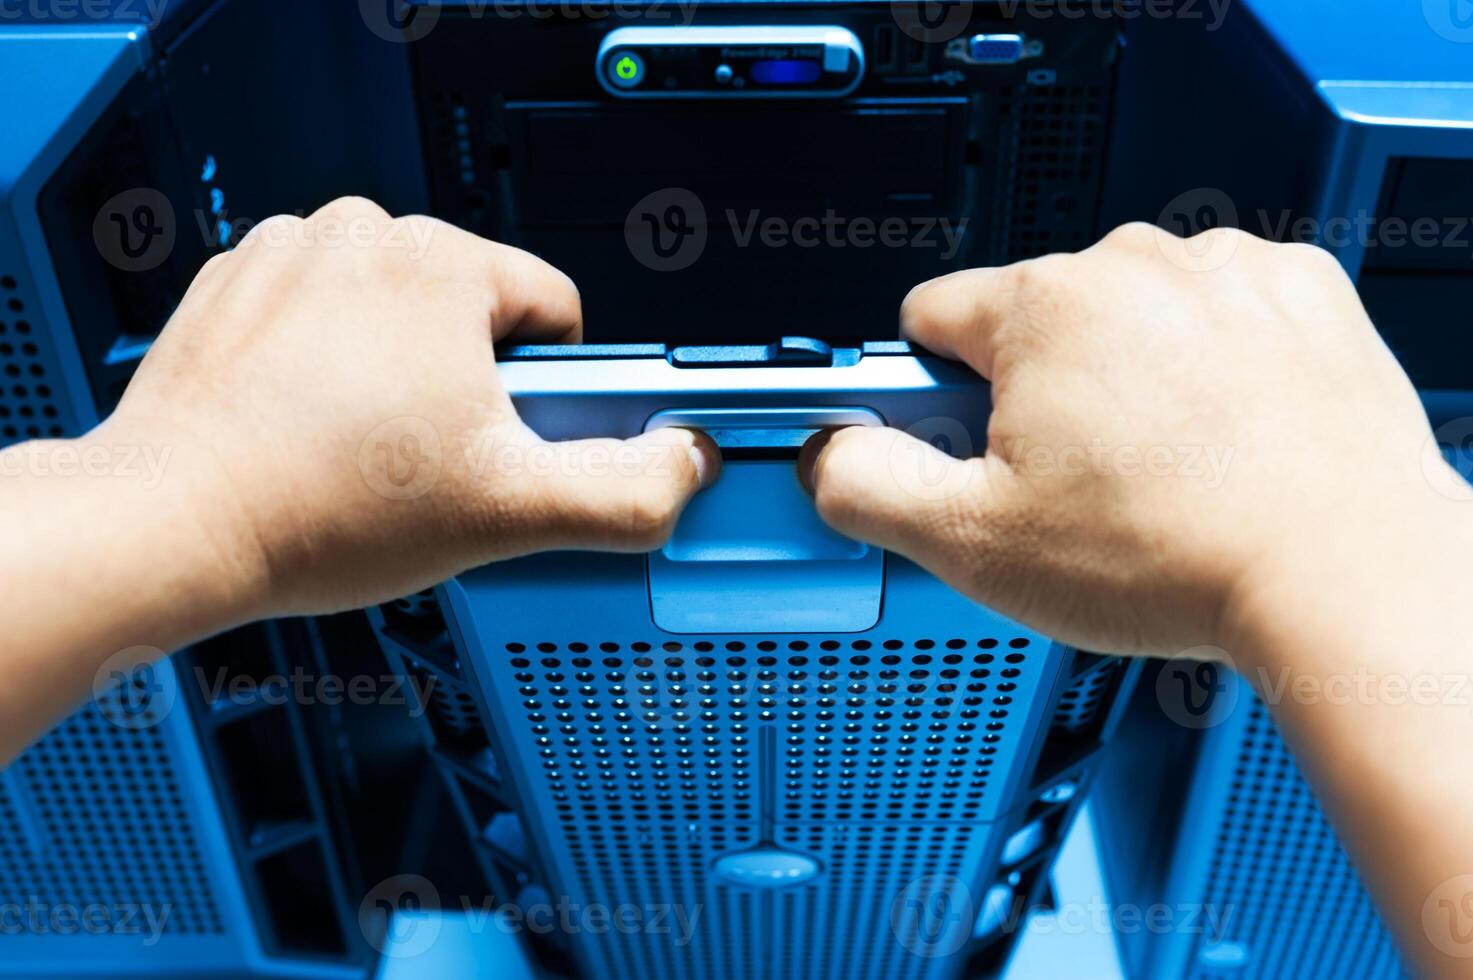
625 69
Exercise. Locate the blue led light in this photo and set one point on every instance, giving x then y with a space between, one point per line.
786 72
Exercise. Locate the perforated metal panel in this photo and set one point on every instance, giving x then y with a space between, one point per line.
95 815
887 729
1082 702
1298 906
1204 810
640 757
1056 134
30 402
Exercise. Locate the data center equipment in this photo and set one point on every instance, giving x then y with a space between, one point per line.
1350 127
157 137
161 829
806 162
714 176
659 161
847 767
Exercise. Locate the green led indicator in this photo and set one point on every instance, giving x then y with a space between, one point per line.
625 68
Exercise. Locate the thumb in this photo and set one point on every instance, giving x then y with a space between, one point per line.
902 494
620 495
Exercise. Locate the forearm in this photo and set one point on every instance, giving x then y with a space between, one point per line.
1361 650
110 546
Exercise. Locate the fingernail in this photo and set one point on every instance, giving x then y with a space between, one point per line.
706 458
808 457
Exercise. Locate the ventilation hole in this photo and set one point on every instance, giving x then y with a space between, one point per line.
117 820
1277 863
1051 141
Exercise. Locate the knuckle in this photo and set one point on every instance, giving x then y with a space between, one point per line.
1235 237
1133 235
1311 258
214 265
1031 275
273 229
352 205
421 224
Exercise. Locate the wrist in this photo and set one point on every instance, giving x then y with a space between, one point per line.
1304 606
171 491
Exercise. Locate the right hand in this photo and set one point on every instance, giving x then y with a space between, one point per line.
1164 442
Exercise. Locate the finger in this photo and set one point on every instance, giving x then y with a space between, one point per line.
531 300
619 495
958 315
350 208
890 489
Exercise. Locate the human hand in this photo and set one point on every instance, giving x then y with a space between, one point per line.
1164 442
330 393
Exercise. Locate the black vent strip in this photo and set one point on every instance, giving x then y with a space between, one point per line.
117 830
1055 136
1297 903
28 404
1080 705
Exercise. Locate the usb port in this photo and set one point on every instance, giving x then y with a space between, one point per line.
915 53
